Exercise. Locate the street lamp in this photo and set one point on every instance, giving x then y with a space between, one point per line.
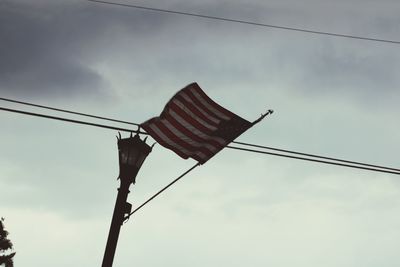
132 152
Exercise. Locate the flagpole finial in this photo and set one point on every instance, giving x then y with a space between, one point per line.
270 111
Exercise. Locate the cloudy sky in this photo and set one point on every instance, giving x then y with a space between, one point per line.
332 96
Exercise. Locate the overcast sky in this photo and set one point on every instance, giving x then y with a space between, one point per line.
332 96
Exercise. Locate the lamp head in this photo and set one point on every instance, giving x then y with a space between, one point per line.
132 152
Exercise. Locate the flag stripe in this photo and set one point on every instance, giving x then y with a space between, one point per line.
194 135
199 108
188 139
153 130
198 90
200 104
194 130
175 147
183 108
201 152
213 108
188 119
195 110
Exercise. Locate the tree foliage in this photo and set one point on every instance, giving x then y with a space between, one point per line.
5 244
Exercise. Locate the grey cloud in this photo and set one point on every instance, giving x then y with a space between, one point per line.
38 56
50 49
309 64
366 75
55 48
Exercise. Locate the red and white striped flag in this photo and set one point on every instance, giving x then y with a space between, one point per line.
193 125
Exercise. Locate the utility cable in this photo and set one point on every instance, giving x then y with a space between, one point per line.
376 167
198 164
246 22
236 142
66 111
313 160
72 121
316 156
162 190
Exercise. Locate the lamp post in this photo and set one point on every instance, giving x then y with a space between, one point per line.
132 152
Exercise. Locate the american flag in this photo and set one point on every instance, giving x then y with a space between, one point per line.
193 125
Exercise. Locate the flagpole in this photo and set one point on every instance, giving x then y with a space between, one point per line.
160 191
270 111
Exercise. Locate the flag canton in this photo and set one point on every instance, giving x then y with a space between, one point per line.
230 130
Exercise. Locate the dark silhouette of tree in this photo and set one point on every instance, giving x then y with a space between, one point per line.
5 244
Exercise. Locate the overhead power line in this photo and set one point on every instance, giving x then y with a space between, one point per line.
354 164
236 142
332 161
246 22
315 156
71 121
313 160
65 111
